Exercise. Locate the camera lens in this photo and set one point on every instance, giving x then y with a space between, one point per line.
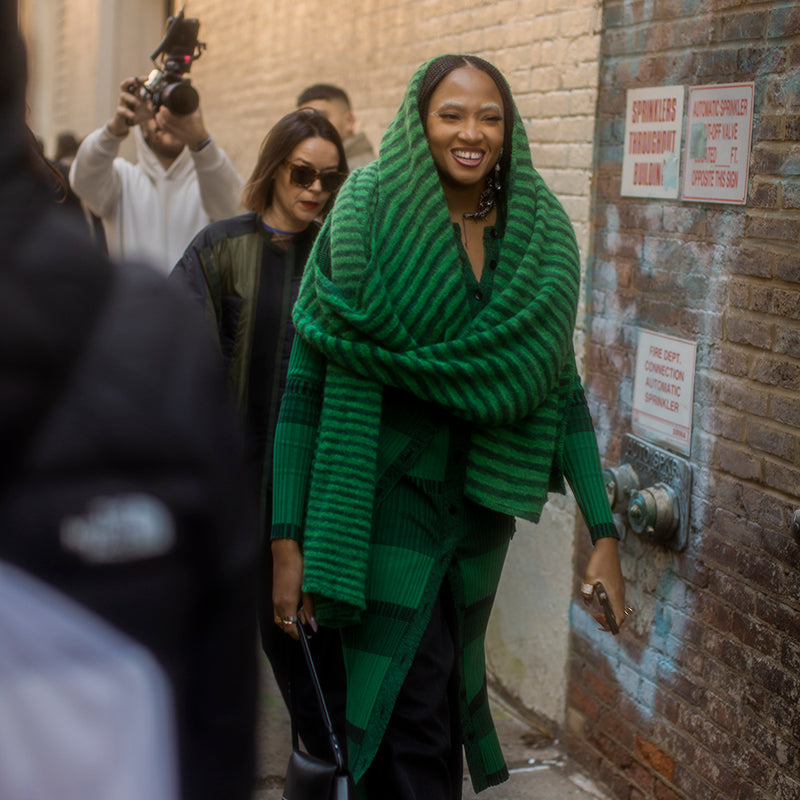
180 98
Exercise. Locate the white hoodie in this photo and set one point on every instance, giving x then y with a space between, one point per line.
150 213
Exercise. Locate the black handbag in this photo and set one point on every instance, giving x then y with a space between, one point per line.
310 778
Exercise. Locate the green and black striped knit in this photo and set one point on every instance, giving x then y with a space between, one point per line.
383 301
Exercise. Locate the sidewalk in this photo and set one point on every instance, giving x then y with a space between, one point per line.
539 770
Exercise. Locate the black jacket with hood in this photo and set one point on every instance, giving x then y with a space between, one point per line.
121 482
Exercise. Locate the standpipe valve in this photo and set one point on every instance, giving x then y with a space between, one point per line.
620 483
655 512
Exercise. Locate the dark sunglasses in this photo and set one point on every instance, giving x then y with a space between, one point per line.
301 175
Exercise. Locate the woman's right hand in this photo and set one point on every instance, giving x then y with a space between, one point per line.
288 600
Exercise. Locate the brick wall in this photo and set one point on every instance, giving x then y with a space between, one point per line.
261 55
700 697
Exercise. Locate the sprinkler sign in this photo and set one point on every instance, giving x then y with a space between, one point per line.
663 390
651 157
718 131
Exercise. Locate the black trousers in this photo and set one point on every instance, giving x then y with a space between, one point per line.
291 674
420 756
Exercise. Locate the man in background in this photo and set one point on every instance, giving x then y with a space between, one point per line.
181 182
333 103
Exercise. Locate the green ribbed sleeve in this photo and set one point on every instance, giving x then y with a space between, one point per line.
583 471
296 441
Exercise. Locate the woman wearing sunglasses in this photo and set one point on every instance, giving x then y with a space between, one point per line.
432 398
245 272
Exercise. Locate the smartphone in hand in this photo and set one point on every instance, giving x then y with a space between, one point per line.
605 605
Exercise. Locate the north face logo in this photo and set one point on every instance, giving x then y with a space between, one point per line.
120 528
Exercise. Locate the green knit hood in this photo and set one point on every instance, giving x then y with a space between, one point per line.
383 298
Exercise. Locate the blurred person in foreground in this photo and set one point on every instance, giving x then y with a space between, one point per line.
122 494
333 103
245 272
181 181
432 397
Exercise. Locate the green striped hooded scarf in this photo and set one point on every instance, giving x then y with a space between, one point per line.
384 300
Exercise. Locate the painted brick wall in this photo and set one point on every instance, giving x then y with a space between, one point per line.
700 697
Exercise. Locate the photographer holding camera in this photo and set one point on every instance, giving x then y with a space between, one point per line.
182 180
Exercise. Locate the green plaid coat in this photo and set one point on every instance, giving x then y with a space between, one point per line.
424 532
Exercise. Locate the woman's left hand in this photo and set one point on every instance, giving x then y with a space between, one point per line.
604 567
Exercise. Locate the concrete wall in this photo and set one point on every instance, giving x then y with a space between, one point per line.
699 698
259 56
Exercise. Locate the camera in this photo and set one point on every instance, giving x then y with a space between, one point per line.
166 85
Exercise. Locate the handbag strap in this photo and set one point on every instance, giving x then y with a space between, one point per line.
292 704
338 755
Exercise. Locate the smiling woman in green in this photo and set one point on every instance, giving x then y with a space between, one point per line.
432 397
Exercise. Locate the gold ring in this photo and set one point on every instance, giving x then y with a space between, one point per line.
289 620
628 611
